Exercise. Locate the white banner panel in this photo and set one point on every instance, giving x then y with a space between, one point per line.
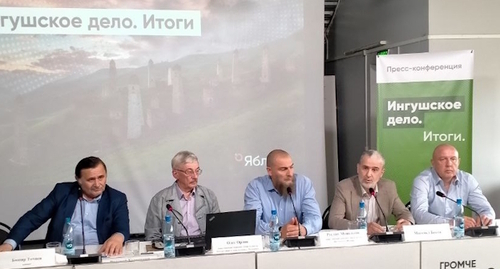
86 21
421 67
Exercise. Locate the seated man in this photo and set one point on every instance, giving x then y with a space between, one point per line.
106 218
190 202
444 176
351 191
270 192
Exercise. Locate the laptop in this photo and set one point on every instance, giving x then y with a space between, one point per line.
233 223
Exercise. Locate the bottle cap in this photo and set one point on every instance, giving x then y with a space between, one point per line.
459 201
361 204
274 212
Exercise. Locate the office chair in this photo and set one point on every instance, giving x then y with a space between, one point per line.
326 215
4 233
408 205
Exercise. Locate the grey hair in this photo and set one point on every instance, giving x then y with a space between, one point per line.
371 153
183 157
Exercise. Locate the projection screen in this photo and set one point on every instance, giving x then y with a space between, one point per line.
135 81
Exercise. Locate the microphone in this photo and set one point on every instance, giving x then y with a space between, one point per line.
474 231
80 197
372 192
388 236
289 190
82 257
440 194
171 209
300 241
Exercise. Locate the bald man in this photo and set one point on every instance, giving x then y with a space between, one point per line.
270 192
444 176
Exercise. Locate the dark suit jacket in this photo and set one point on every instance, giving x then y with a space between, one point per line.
112 214
345 205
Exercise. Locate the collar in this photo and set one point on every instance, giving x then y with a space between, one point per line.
268 184
438 180
95 200
364 193
178 190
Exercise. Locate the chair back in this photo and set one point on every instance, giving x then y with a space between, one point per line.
326 215
4 232
408 206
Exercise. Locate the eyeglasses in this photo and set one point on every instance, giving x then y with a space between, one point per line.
191 172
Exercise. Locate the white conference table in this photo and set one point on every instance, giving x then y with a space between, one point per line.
387 256
367 256
229 261
443 254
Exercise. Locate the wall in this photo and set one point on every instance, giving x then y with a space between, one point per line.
404 25
476 29
331 151
362 22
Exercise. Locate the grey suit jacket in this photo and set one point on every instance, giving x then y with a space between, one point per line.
205 202
345 205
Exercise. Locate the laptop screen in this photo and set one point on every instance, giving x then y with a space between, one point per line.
233 223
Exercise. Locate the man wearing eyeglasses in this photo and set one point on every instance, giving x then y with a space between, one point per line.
190 202
444 176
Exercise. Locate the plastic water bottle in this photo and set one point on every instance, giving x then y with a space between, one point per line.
274 232
459 228
362 216
68 238
168 237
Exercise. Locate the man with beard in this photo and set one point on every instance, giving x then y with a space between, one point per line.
351 191
190 201
105 211
444 176
270 192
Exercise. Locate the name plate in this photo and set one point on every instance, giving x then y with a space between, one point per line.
236 244
28 258
155 255
342 238
427 232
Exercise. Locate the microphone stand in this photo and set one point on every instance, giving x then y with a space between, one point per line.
84 251
301 240
474 231
83 257
192 248
388 236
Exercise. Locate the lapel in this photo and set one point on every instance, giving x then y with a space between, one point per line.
199 202
356 195
383 197
71 202
101 211
173 199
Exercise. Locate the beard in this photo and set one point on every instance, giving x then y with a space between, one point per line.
283 187
366 185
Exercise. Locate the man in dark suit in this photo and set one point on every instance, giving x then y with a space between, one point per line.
351 191
105 212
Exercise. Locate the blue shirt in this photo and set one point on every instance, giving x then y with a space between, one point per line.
261 195
89 224
427 207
